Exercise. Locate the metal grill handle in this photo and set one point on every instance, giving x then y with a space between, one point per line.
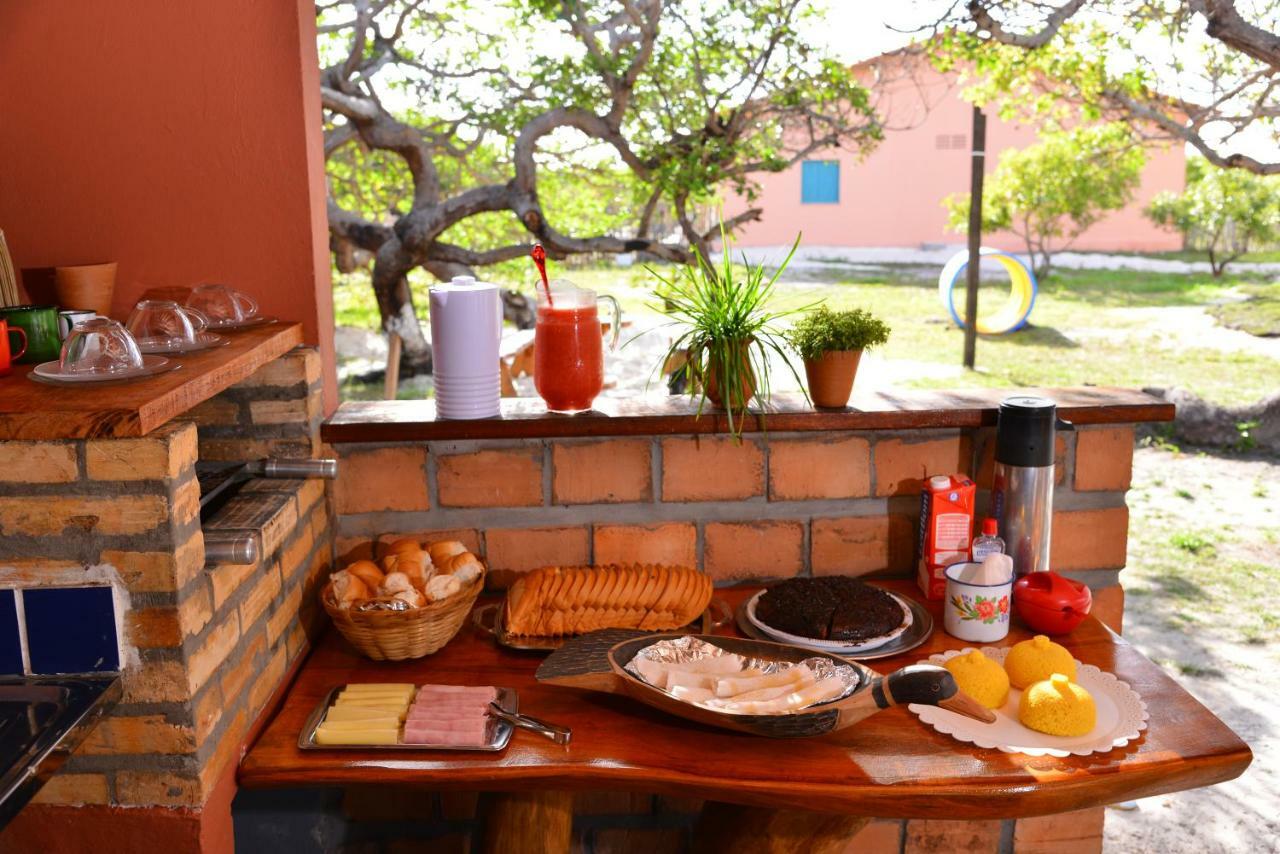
282 468
230 547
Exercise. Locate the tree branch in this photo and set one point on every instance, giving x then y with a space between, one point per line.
980 13
1227 26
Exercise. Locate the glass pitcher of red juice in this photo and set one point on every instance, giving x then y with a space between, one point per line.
568 346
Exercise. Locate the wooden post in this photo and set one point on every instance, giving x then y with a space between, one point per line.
520 822
977 162
755 830
392 382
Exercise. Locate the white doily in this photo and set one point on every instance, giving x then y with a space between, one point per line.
1122 716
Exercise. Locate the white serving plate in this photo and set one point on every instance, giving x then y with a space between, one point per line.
837 647
1122 716
204 341
51 372
233 325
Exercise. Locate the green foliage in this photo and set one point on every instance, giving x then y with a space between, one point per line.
730 90
1150 63
725 327
826 331
1051 192
1224 210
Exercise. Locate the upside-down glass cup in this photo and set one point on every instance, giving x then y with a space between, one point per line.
568 346
99 346
162 323
222 305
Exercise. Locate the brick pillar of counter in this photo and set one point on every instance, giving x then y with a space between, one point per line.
203 649
795 504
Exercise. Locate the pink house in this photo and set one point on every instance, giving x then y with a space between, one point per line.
893 197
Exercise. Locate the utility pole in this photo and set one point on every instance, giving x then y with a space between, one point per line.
978 156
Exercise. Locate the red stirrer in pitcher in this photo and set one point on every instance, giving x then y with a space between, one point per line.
539 256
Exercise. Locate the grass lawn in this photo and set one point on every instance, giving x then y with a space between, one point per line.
1259 314
1088 326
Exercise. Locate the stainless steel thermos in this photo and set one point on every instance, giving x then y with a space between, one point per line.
1022 492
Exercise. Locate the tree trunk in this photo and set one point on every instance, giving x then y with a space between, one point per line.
391 268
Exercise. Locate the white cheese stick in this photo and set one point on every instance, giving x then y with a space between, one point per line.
692 695
731 686
805 679
826 689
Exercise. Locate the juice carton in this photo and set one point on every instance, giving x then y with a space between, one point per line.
946 528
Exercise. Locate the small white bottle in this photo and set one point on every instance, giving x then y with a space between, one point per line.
988 543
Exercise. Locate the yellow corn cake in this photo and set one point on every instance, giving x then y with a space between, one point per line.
1058 706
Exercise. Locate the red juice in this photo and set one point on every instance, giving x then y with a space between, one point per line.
568 357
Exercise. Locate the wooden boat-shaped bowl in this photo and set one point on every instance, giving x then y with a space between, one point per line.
597 662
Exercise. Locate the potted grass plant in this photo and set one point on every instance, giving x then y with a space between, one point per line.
831 344
726 329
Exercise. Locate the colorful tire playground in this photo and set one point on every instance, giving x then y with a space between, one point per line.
1012 314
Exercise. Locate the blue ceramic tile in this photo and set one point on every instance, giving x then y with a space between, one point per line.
71 630
10 640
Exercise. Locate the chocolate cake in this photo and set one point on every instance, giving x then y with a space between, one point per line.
832 608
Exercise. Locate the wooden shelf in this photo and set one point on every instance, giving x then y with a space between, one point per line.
525 418
33 410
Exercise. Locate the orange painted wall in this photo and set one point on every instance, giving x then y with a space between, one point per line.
893 196
181 138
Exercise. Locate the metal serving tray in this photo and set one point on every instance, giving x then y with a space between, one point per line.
499 731
488 618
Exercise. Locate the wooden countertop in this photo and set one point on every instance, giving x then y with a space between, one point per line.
524 418
34 410
889 765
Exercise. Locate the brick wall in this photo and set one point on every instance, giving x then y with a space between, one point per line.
792 505
203 647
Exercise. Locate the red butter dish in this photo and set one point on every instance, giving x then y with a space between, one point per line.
1049 603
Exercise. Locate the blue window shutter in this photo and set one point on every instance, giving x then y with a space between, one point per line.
820 182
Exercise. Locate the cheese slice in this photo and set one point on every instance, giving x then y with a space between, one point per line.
358 687
369 697
383 735
365 713
365 723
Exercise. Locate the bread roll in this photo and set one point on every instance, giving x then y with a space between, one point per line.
348 589
396 582
404 544
415 564
442 551
368 572
465 567
442 587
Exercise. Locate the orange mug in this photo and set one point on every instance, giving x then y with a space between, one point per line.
6 358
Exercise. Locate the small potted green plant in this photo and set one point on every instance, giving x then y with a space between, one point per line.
831 344
726 329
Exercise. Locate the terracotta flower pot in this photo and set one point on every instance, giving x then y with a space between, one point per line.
748 382
86 286
831 377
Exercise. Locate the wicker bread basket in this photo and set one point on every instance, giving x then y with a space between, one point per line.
401 635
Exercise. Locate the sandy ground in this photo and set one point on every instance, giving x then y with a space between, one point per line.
1203 628
1180 324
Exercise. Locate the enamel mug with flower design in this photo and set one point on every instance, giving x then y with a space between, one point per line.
976 612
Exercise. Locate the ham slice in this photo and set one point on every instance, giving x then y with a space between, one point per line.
452 715
485 692
449 737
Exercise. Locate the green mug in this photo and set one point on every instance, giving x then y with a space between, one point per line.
40 322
